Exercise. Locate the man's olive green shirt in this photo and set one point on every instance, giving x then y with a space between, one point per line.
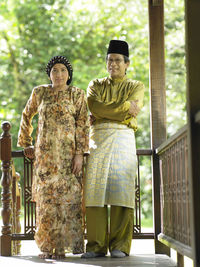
109 99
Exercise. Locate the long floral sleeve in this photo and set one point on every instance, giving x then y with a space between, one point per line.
26 128
82 125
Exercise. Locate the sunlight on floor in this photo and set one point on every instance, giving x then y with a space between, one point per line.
143 247
139 246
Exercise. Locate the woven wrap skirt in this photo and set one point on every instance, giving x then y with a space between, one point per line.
111 166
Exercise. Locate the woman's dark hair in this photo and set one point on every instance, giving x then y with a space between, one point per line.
62 60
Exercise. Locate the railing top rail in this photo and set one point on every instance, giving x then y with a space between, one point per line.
173 139
139 152
144 152
17 154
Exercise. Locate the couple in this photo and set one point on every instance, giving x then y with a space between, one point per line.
62 139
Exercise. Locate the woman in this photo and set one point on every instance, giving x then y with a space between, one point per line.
62 139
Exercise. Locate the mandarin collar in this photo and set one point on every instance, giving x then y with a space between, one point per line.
53 91
117 80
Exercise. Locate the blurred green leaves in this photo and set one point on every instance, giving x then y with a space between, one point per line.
33 31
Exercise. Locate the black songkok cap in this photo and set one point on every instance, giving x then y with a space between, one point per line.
62 60
118 47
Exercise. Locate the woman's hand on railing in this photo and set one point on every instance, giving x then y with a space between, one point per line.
29 152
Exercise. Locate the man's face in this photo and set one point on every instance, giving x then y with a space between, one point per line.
116 65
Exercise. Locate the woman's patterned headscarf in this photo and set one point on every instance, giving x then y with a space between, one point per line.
62 60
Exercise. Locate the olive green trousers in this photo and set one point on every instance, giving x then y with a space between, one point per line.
104 235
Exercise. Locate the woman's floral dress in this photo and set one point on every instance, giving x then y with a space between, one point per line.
61 134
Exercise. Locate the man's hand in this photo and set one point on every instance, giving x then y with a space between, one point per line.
29 152
77 164
134 109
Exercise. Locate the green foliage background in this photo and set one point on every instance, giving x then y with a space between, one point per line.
32 31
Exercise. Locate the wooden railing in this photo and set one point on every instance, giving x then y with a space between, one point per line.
175 200
11 202
29 205
11 196
137 231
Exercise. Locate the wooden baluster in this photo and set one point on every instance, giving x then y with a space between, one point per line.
5 156
16 208
18 212
13 216
180 260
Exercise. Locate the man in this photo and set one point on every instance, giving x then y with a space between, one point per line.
114 102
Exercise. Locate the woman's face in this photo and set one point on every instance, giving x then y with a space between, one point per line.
59 75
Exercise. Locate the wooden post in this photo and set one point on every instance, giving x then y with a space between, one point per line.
158 105
5 156
192 22
180 260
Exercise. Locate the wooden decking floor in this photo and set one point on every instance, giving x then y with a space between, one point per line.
133 260
142 255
